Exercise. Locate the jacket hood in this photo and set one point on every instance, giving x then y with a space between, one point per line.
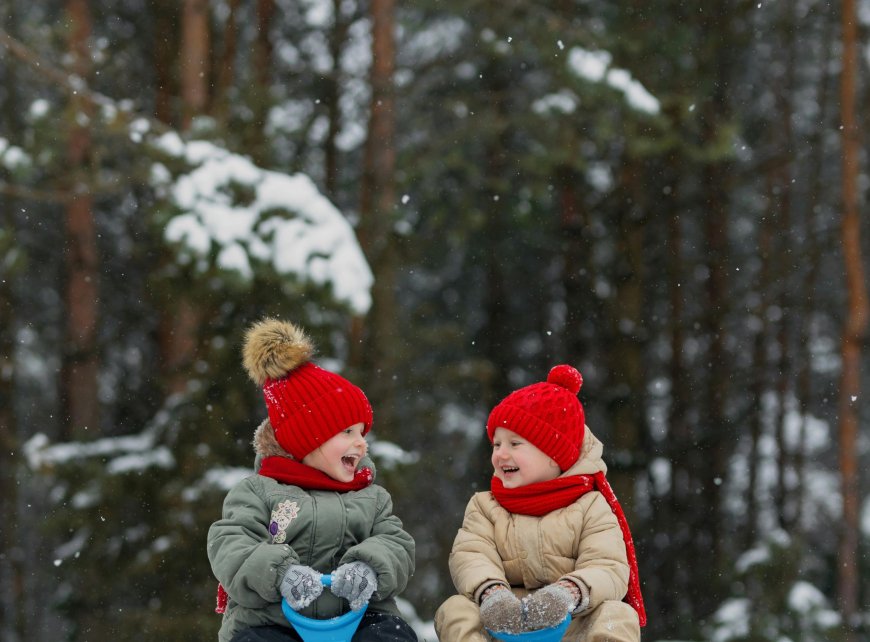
590 460
266 445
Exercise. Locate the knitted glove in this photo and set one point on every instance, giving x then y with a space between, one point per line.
355 582
301 586
548 606
501 610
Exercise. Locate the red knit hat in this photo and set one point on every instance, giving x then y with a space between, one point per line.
548 414
307 405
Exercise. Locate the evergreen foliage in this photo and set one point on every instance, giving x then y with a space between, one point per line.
648 191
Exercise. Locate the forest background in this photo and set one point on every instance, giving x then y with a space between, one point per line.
668 195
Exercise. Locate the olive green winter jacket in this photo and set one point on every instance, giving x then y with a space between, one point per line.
320 529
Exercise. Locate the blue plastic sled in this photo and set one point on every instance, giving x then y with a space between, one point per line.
550 634
337 629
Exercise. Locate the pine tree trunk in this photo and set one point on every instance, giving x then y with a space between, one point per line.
194 60
261 86
626 384
783 87
226 65
337 39
382 350
165 47
808 287
854 331
80 366
12 619
760 370
179 328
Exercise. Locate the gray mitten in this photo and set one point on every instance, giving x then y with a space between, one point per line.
355 582
301 586
502 611
548 607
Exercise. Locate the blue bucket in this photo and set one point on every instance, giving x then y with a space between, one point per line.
337 629
550 634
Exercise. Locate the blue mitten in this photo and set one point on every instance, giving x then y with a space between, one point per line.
301 586
355 582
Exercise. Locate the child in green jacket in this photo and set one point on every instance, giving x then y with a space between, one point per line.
311 509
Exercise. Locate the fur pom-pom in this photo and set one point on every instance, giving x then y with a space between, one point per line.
273 348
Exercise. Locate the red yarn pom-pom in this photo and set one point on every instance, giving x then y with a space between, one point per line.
567 377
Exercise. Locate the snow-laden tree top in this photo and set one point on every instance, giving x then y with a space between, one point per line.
280 220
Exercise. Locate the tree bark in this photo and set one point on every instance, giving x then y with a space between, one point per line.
817 248
165 49
377 204
854 331
181 318
760 370
226 66
332 99
194 60
262 84
626 383
783 188
80 367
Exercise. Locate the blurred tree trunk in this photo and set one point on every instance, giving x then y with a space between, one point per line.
262 84
226 65
382 350
719 31
681 446
577 265
180 318
165 47
760 370
783 186
495 334
812 233
12 616
80 367
626 389
854 331
332 99
194 63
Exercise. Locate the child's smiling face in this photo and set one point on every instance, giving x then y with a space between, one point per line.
340 455
517 462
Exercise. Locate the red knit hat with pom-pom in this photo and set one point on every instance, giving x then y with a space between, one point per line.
548 414
307 404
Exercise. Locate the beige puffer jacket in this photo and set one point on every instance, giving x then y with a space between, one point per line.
581 542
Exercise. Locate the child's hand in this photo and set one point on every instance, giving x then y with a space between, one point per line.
501 610
301 586
355 582
549 606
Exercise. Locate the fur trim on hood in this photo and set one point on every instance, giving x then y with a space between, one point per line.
590 460
266 444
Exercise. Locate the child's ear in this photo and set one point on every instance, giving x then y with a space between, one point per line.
553 464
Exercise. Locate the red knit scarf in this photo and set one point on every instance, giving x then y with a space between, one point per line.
290 471
544 497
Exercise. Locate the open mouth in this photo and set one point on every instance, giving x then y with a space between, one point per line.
507 470
350 461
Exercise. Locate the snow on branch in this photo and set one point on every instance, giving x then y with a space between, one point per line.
242 213
594 66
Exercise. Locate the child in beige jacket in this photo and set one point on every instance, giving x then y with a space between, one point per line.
549 539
